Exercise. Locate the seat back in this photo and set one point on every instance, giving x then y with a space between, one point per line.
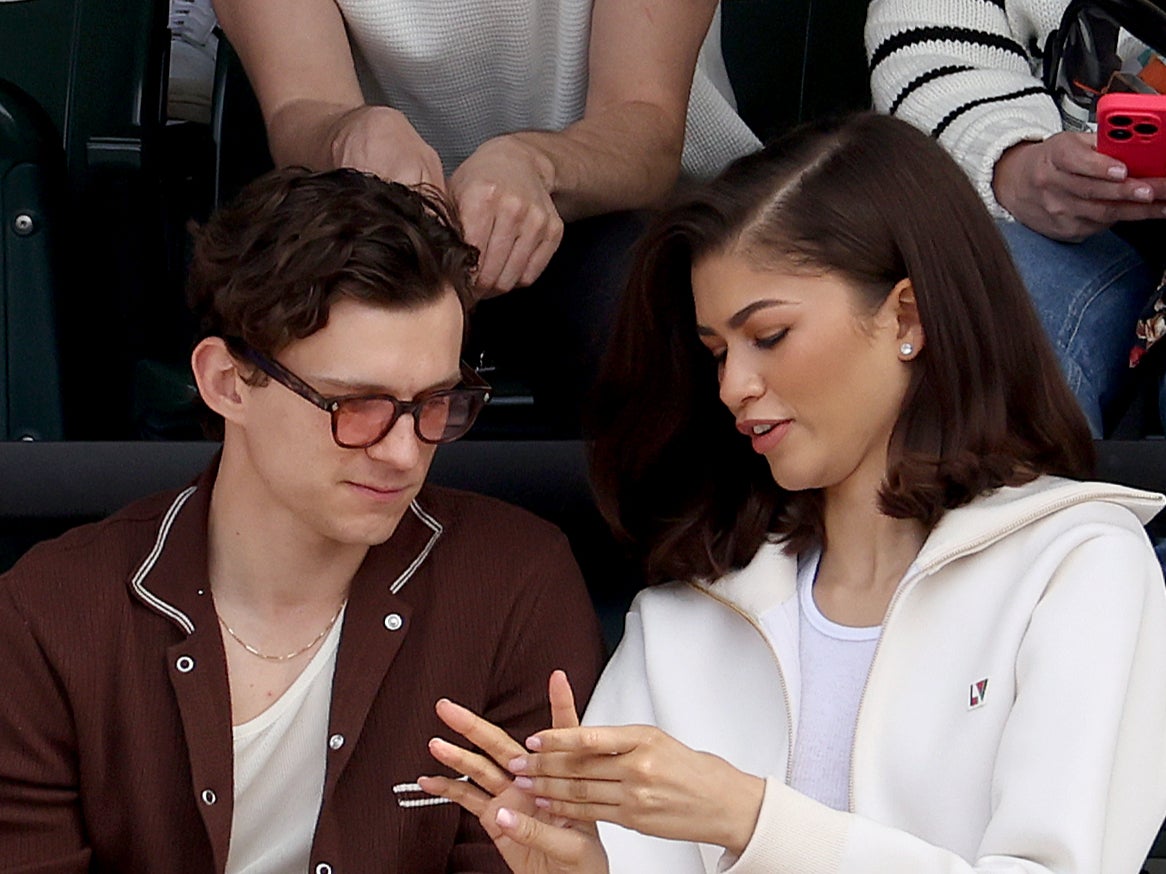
241 152
95 71
32 177
96 67
795 60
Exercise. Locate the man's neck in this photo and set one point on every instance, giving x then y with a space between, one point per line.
261 557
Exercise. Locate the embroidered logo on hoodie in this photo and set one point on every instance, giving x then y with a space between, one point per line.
977 692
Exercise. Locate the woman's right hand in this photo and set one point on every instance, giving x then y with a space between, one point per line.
530 840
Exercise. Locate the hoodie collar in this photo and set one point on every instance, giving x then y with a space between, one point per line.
771 576
995 515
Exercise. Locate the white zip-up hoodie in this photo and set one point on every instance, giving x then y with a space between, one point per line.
1014 718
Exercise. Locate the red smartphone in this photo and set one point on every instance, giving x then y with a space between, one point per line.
1132 128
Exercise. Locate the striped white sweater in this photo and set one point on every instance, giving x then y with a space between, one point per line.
967 72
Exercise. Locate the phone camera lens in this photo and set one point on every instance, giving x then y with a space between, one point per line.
1146 129
1120 120
1121 134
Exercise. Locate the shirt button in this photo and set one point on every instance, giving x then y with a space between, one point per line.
185 664
209 797
393 621
323 868
336 741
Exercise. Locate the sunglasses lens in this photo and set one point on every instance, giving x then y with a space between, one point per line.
435 417
362 421
449 416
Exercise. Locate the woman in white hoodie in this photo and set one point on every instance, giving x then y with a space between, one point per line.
902 633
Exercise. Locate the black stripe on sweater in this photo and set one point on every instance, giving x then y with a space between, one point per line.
972 104
923 79
916 35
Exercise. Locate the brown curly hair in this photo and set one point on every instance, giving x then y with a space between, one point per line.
267 267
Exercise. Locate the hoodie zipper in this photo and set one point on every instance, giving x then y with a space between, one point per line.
789 721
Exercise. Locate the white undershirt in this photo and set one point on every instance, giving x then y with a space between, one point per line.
280 757
834 663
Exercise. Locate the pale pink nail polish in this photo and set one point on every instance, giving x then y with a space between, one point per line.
543 803
524 782
517 765
534 743
505 818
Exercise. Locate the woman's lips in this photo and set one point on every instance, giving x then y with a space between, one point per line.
764 434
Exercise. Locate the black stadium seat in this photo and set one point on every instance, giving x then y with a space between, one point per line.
32 183
92 73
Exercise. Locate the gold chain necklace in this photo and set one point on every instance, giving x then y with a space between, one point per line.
291 655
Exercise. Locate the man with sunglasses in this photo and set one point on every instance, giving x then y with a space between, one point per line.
241 676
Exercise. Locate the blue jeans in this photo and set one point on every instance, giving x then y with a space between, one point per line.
1088 296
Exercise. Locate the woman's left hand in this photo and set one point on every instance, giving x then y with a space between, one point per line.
641 778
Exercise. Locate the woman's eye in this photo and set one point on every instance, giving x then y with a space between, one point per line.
768 342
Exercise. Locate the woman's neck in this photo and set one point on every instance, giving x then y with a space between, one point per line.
866 555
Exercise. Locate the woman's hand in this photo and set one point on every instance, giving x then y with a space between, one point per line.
530 840
643 779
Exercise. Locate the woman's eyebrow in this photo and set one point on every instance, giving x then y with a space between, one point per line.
739 318
742 315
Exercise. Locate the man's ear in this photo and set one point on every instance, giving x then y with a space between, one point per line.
909 335
216 373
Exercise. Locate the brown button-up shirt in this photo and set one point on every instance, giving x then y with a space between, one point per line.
115 720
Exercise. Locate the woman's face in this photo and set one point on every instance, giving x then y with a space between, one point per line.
814 381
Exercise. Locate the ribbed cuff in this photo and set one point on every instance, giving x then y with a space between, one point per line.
794 834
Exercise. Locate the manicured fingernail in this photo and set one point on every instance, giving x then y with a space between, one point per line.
435 741
517 765
1144 192
524 782
544 803
534 743
1116 172
505 818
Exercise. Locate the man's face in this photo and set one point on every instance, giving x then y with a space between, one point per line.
300 477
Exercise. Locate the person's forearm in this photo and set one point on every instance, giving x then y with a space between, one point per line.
301 132
625 157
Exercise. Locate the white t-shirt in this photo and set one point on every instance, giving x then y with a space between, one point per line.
280 757
834 662
464 71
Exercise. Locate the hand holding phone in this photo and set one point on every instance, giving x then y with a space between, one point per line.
1132 128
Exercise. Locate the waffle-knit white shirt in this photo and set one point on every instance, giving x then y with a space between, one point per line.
464 71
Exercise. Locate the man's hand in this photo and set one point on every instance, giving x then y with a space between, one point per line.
380 140
531 842
1065 189
503 194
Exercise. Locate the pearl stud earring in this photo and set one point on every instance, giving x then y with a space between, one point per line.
907 349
